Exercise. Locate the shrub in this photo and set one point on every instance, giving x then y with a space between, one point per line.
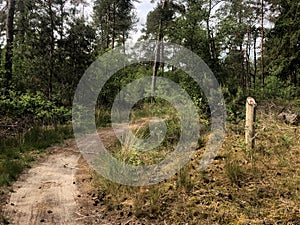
36 106
275 88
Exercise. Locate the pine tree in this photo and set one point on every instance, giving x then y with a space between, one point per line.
113 20
282 45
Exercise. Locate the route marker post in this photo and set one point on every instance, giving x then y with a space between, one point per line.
250 119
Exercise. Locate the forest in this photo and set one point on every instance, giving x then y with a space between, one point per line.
251 46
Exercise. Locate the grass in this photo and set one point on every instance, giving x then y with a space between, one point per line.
102 117
17 153
131 154
234 170
260 186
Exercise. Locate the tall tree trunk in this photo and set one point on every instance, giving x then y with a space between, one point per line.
51 53
242 76
294 78
241 55
209 34
24 21
107 29
262 45
162 65
124 40
113 25
158 52
248 51
11 5
62 17
255 59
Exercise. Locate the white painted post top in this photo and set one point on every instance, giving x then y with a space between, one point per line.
251 101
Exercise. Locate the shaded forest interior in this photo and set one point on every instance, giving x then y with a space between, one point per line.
251 46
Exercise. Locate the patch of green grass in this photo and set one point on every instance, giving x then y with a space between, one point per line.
102 117
17 153
286 141
144 109
131 152
184 180
234 170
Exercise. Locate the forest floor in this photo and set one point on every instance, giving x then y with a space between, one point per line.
240 187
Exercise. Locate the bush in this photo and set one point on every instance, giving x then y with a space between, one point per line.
235 102
275 88
32 105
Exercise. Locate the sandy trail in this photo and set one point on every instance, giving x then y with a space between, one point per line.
49 192
46 194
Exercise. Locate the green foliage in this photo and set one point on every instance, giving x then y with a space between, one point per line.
9 170
113 20
286 141
54 45
282 46
235 103
164 17
35 106
41 138
275 88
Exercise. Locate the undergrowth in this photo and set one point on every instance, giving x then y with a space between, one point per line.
260 186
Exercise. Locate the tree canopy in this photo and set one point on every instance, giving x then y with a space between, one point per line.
47 45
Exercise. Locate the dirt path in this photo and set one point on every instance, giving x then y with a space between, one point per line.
46 193
58 189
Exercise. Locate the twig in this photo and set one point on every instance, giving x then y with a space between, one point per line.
83 217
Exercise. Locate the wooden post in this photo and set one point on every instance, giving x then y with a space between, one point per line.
250 119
